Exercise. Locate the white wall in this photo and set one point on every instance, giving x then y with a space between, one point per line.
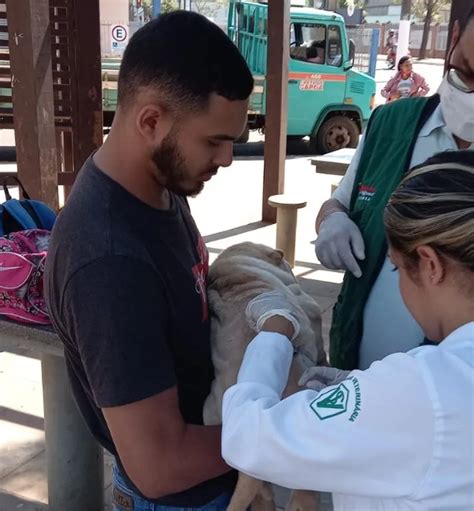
114 11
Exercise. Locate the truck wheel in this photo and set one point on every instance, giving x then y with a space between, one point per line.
244 138
336 133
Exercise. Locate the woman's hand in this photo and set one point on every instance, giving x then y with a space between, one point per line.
319 377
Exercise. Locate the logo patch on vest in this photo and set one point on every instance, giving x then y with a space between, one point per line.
366 193
331 403
121 500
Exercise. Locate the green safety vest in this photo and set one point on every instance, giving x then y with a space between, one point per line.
388 148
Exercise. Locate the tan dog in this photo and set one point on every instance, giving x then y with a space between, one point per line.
239 274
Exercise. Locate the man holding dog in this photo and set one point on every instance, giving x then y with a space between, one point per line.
127 267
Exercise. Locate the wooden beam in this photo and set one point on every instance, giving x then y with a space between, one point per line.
276 117
87 123
33 105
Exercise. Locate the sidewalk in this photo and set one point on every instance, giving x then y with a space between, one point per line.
227 212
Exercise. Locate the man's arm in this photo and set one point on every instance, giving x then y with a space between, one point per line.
340 200
121 330
328 208
159 451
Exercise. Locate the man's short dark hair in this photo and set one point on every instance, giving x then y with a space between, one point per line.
186 58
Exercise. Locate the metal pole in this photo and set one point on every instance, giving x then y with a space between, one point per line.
156 8
74 459
374 47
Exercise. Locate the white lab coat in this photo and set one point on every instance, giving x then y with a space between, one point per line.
398 436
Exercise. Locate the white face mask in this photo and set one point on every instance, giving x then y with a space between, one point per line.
458 110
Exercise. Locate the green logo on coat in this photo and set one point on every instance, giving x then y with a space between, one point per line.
331 403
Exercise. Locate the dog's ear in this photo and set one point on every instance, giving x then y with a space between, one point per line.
278 256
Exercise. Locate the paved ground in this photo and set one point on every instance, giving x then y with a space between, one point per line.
228 211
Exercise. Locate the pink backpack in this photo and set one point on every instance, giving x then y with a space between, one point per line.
22 260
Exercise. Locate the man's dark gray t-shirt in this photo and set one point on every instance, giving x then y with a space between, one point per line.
126 291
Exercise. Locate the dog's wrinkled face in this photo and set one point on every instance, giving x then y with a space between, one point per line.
247 269
258 251
238 275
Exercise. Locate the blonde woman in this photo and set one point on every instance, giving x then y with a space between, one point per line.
400 434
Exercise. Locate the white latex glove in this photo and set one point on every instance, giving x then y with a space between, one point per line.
339 240
272 303
319 377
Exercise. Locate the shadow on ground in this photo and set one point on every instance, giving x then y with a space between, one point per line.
10 502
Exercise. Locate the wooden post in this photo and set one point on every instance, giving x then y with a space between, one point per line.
276 104
287 214
33 104
87 126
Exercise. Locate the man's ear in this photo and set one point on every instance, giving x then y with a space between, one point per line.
152 123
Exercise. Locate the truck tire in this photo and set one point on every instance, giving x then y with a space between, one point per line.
336 133
244 138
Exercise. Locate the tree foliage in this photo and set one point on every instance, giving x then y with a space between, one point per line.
168 5
422 7
207 8
429 11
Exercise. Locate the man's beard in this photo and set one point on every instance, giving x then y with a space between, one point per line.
171 169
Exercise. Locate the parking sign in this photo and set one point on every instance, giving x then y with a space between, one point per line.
119 38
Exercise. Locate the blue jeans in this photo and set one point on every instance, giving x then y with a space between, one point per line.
125 499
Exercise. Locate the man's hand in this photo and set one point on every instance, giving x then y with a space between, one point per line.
274 305
319 377
339 243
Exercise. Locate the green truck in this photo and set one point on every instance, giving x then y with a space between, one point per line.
327 100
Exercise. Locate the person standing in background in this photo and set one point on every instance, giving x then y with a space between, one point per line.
406 83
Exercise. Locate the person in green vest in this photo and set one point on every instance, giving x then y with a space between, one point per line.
370 320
